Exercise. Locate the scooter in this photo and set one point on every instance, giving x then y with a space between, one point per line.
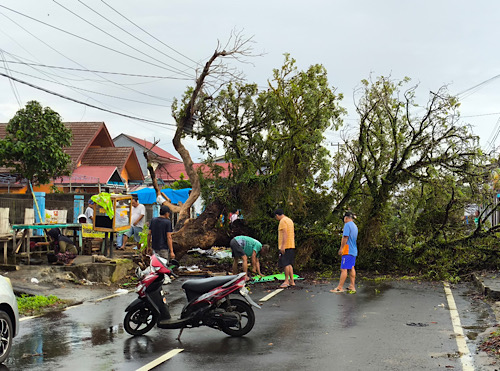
208 303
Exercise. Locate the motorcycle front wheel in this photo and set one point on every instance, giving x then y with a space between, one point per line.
246 314
140 320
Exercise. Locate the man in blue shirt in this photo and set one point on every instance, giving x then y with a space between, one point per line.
348 251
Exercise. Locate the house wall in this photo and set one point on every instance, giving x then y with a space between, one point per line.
122 141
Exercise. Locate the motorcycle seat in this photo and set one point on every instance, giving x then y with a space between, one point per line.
206 284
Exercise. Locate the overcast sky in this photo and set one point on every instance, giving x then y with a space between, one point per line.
435 43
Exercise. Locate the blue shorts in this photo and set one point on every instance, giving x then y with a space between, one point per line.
347 262
134 231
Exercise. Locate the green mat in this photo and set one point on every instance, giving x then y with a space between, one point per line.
273 277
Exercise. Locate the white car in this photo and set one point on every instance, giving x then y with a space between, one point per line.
9 317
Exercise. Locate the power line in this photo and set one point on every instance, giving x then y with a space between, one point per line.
98 71
12 85
75 62
121 41
146 32
85 104
135 37
89 91
475 88
85 39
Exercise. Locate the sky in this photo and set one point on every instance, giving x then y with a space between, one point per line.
135 57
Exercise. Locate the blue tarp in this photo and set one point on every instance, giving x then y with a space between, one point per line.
148 195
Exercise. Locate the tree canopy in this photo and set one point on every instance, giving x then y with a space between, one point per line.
34 144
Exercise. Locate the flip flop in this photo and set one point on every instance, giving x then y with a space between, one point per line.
351 291
337 290
284 285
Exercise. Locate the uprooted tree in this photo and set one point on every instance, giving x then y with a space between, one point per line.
201 232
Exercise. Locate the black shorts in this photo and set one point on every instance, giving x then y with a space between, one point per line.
236 249
288 258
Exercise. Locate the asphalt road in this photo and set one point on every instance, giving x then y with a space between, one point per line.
403 325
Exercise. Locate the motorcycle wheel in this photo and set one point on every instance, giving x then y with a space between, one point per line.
247 318
140 320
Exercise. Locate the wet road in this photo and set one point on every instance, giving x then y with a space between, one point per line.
384 326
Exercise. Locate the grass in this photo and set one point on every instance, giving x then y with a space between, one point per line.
33 305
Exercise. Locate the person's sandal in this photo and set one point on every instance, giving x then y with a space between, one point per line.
337 290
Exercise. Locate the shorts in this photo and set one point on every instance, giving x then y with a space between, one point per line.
347 261
288 258
236 249
134 230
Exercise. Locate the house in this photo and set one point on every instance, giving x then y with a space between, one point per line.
156 154
95 163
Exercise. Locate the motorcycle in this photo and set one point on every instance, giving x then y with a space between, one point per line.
208 303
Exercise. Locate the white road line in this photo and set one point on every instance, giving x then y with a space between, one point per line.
465 356
113 296
160 360
269 296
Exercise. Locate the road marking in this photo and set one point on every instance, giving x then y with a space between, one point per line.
113 296
160 360
463 349
269 296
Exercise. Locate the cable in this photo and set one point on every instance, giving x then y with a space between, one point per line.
477 86
121 41
89 91
97 71
135 37
85 39
75 62
146 32
12 85
86 104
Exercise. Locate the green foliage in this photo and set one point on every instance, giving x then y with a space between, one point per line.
181 183
33 305
34 144
143 235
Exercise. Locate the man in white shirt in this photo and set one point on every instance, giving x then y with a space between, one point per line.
138 219
89 212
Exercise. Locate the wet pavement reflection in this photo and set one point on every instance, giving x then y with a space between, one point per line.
299 328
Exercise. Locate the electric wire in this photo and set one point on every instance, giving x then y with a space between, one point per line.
475 88
77 63
85 39
98 71
12 84
135 37
84 103
88 91
146 32
174 69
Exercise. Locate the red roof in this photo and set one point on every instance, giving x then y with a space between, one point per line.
172 172
157 150
89 175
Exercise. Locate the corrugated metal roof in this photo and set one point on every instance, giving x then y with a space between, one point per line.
172 172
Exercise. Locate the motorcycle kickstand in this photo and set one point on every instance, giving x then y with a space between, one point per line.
178 338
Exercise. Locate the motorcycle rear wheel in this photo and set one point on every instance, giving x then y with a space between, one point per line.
140 320
247 318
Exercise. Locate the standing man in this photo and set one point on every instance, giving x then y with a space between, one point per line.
244 247
286 245
138 218
348 251
89 212
160 234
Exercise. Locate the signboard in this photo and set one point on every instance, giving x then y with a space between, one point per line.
88 231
